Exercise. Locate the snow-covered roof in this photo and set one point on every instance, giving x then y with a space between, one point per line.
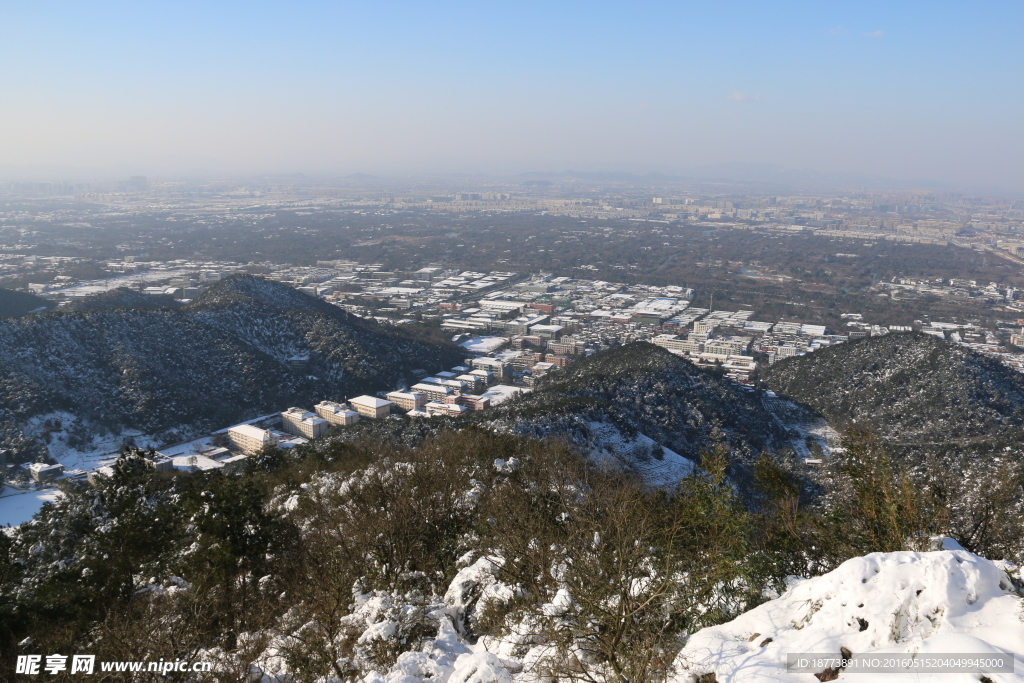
195 463
369 402
502 392
250 431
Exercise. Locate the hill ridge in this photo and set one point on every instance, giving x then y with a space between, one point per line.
908 386
160 369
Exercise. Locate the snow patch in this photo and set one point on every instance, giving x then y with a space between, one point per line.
657 464
18 505
499 393
948 601
484 345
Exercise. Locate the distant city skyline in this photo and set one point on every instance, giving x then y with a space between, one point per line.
911 92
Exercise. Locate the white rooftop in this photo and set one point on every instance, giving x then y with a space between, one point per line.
369 401
250 431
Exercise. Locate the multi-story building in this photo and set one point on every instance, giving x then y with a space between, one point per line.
474 402
674 343
546 331
476 383
726 347
498 367
566 347
556 360
433 392
249 439
338 414
457 385
408 400
486 375
450 409
303 423
526 341
371 406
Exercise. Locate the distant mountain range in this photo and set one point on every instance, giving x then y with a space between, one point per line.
246 347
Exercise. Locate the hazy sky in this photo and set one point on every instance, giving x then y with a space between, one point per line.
910 90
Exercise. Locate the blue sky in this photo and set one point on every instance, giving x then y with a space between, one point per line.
909 90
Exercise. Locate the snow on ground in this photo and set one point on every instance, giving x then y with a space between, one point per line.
483 345
189 447
91 287
499 393
640 453
100 451
103 450
18 505
827 438
942 602
819 431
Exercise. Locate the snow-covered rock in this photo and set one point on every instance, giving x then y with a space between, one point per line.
943 602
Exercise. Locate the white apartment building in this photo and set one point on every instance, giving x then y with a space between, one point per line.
492 365
728 347
676 344
487 376
249 439
408 400
371 406
337 414
433 392
303 423
450 409
475 382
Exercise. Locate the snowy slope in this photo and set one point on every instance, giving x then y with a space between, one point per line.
18 505
658 465
110 366
943 602
909 386
644 388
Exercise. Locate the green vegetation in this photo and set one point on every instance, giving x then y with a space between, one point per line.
603 568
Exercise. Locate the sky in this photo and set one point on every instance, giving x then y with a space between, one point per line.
914 91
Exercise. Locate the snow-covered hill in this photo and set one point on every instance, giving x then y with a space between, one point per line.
642 388
227 357
912 387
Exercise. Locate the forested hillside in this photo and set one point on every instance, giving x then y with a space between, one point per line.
910 387
643 388
14 303
486 558
245 348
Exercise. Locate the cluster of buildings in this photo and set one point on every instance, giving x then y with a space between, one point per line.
444 394
342 281
452 393
953 288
